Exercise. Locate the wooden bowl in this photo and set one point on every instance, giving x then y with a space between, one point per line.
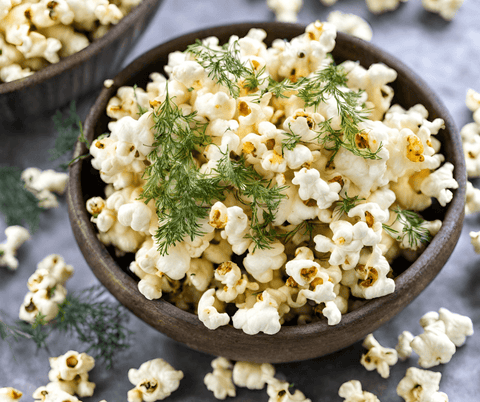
292 343
76 75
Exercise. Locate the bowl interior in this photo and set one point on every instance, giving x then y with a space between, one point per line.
295 342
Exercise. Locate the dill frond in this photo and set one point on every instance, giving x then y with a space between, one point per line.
141 110
19 206
412 228
68 128
291 141
344 206
224 66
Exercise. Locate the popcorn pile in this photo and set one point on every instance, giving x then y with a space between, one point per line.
46 290
36 33
343 217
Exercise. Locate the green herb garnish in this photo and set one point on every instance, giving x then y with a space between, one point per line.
344 205
412 228
141 110
18 205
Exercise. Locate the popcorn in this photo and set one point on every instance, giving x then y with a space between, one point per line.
252 375
352 392
16 236
154 380
53 394
381 6
313 187
279 391
9 394
43 184
208 313
285 10
378 357
475 240
437 183
421 385
220 381
351 24
446 8
403 348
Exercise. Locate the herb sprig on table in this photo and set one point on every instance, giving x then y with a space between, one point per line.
87 315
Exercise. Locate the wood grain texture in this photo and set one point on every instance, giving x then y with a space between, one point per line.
292 343
74 76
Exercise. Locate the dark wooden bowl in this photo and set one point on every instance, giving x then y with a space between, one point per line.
292 343
55 85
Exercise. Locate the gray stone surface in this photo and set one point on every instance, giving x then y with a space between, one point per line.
445 54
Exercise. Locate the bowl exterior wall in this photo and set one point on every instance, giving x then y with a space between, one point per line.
77 75
291 343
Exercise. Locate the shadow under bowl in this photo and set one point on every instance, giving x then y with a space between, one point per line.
74 76
291 343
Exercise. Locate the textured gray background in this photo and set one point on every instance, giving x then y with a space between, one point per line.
445 54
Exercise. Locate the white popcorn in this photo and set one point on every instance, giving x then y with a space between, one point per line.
378 358
16 236
43 302
261 263
351 24
285 10
220 380
154 380
475 240
421 385
252 375
403 348
279 391
437 183
262 317
381 6
208 313
215 106
352 392
43 184
445 8
10 394
53 394
71 40
235 283
108 14
314 187
127 102
473 103
137 215
56 266
433 346
69 373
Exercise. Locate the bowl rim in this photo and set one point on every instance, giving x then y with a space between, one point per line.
114 276
78 58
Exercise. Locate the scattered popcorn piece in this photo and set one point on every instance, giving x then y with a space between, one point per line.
43 184
351 24
473 101
352 392
446 8
472 201
382 6
475 240
154 380
378 357
16 236
108 83
252 375
403 348
220 381
457 326
57 267
433 346
328 2
285 10
49 394
9 394
421 385
279 391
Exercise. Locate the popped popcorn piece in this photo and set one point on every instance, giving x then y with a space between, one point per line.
475 241
279 391
9 394
351 24
352 392
312 186
16 236
208 313
473 103
437 183
14 72
421 385
445 8
43 184
472 199
378 358
53 394
154 380
43 301
220 380
403 348
382 6
433 346
252 375
261 263
56 266
285 10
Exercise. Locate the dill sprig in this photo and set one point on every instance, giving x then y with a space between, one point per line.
141 109
291 140
68 128
180 191
18 205
331 82
253 190
95 321
224 66
344 205
412 228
